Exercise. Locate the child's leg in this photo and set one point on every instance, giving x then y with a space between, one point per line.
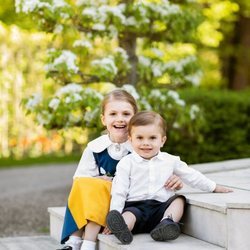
120 225
175 210
91 231
90 236
129 219
78 233
168 228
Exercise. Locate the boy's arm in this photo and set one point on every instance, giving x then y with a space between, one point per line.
196 179
120 186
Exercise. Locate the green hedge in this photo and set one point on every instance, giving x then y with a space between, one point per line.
225 131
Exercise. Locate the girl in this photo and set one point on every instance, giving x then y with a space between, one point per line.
89 199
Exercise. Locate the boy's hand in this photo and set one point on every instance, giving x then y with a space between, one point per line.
174 183
221 189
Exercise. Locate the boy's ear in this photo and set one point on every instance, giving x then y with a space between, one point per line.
163 140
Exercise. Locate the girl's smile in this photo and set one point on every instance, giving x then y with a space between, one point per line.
116 118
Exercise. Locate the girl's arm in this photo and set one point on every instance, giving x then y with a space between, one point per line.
87 166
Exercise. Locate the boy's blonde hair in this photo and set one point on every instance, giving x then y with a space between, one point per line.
144 118
119 95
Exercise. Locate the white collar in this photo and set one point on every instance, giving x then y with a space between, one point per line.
101 143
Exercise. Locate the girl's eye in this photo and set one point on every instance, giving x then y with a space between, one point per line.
153 137
112 114
139 137
127 114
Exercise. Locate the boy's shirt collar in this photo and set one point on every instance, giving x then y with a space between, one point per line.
101 143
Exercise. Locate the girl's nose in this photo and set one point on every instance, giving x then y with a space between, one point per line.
120 118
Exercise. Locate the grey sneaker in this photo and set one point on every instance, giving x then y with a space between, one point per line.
118 227
166 230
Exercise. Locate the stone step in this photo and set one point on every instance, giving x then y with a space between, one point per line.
145 242
56 215
219 219
140 242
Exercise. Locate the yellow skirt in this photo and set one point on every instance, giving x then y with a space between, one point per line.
89 200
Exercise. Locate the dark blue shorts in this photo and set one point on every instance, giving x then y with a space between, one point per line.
148 213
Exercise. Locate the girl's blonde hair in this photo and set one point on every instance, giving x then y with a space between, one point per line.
119 95
144 118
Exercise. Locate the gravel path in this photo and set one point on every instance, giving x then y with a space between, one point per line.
25 195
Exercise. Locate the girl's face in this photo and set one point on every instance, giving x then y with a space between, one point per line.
116 117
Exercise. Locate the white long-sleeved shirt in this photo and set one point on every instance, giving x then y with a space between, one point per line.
87 166
140 179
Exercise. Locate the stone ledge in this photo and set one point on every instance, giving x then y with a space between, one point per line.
145 242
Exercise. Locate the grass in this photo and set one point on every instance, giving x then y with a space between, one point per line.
45 160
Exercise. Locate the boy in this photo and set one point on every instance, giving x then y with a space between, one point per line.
140 203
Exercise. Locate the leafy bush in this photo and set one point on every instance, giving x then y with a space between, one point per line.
225 133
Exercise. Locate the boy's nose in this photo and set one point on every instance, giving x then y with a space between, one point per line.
145 142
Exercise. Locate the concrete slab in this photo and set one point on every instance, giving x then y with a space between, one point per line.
237 178
222 166
29 243
145 242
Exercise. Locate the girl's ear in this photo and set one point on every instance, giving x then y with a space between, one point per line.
103 120
163 140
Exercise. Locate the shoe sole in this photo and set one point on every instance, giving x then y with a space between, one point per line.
66 248
165 233
118 227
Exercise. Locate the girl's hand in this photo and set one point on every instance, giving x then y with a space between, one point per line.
106 231
105 177
221 189
174 183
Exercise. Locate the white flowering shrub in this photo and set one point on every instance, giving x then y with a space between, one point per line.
116 41
119 42
71 106
74 106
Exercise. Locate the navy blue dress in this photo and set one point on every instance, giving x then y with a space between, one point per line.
104 161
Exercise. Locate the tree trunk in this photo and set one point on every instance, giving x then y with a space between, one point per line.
236 66
127 41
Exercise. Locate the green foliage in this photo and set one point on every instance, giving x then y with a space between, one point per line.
38 161
225 132
159 41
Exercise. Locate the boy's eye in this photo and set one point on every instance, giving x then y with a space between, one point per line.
139 137
153 137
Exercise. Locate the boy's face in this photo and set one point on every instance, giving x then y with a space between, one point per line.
147 140
116 117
